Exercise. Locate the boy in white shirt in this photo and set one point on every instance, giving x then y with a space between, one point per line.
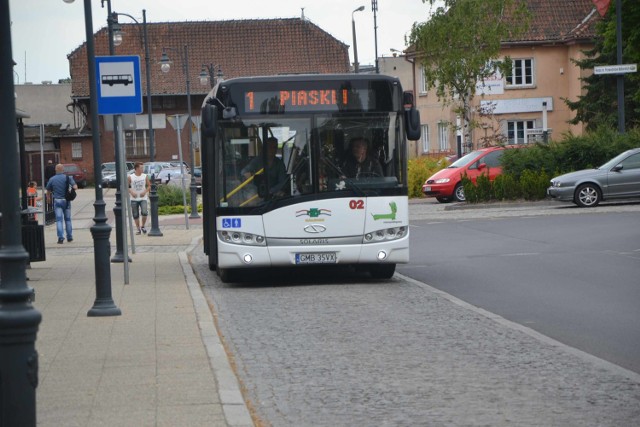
139 188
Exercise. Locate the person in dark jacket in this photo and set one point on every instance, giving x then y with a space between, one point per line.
57 186
359 163
49 171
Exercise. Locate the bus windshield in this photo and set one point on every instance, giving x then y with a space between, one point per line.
275 157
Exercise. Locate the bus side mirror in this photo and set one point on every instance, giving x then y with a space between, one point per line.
412 123
407 99
209 120
411 117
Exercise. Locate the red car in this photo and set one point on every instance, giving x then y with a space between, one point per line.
445 185
78 175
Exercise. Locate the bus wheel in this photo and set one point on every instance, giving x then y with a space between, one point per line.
382 271
227 275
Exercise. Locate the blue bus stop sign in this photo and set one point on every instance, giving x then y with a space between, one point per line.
119 86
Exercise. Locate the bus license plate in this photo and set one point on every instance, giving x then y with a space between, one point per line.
316 258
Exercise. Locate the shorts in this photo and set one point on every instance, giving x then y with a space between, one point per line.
139 207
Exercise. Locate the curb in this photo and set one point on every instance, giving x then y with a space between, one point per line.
233 405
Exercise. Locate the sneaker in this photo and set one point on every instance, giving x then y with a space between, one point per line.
144 230
60 241
138 232
70 240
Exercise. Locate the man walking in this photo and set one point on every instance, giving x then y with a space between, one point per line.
57 185
139 188
49 171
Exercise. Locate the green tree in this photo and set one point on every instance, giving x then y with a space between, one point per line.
598 107
460 46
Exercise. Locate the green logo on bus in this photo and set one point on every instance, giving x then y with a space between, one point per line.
391 216
314 212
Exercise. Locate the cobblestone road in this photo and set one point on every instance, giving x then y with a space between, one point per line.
313 351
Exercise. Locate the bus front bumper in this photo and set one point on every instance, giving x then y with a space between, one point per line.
239 256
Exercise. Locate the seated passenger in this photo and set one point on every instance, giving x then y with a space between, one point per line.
275 170
359 163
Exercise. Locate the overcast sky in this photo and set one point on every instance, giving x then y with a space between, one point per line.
44 32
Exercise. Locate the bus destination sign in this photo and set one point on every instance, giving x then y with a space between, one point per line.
302 100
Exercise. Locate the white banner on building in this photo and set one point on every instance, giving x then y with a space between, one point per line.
519 105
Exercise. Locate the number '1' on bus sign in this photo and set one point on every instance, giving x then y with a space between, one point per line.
118 84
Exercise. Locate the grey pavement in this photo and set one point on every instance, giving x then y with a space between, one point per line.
160 363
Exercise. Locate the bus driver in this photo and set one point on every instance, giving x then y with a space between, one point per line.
359 162
276 172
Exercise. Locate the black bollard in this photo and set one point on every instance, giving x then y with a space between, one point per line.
153 199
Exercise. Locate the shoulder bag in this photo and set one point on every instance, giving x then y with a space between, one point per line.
70 193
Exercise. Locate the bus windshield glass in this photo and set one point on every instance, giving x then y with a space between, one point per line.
275 157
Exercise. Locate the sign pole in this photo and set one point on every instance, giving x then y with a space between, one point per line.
620 76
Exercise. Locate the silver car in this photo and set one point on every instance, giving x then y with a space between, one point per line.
617 179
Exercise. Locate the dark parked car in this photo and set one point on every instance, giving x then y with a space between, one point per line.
617 179
78 175
197 175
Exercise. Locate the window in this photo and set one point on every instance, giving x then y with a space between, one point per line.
492 160
136 143
521 73
631 162
515 131
443 136
423 82
425 138
76 150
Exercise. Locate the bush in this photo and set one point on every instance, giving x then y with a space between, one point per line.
533 185
506 187
420 169
170 195
177 209
481 191
571 153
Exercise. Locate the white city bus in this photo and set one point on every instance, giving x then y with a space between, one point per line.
310 206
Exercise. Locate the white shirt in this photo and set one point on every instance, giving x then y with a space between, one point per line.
138 186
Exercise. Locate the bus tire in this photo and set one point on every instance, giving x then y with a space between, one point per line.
382 271
212 264
227 275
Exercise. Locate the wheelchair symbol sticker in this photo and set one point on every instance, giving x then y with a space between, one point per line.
231 223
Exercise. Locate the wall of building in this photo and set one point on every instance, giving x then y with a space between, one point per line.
46 103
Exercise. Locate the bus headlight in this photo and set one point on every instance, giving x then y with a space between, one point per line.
385 235
241 238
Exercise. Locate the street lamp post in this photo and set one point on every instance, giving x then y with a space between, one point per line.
18 319
209 76
165 67
117 39
117 130
103 305
356 66
374 8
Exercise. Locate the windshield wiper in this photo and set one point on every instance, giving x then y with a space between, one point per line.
359 192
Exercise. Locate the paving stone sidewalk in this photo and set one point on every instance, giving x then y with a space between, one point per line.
160 363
